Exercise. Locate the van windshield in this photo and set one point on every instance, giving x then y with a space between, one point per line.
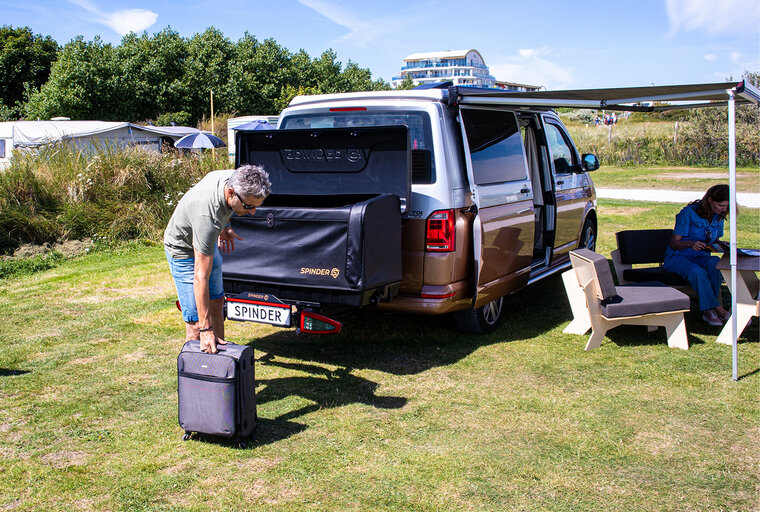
418 124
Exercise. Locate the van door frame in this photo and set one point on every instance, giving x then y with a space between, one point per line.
521 191
568 186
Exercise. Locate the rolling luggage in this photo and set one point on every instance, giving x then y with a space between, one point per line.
217 392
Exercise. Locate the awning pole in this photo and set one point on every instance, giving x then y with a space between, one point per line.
732 223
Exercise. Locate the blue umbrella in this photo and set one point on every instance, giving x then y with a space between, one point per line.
199 140
254 125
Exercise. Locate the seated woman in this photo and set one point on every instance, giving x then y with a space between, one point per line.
698 227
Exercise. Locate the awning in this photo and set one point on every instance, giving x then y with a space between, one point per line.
642 99
631 99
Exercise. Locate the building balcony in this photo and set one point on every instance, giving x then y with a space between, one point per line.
444 64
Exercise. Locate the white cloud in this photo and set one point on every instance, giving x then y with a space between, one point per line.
130 20
531 66
713 16
711 57
361 30
123 21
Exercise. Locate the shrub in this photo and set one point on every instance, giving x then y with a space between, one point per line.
14 266
582 115
60 192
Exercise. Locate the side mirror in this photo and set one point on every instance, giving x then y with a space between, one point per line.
589 162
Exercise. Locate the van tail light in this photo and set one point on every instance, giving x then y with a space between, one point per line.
178 306
440 233
314 323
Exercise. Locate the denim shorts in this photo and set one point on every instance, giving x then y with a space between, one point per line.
183 271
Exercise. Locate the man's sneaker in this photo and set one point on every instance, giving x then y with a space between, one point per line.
711 317
725 317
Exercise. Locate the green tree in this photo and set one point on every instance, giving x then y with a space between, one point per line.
25 61
153 69
360 79
407 83
207 68
258 72
84 83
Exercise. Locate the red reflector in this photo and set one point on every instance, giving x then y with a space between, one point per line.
178 306
347 109
440 235
437 296
315 323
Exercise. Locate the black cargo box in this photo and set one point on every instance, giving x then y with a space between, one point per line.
330 233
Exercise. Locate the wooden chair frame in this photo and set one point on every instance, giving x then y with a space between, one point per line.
583 292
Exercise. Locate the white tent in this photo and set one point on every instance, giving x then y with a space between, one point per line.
30 134
631 99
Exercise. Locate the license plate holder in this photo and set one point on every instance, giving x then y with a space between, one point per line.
262 308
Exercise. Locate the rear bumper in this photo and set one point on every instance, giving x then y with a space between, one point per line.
432 300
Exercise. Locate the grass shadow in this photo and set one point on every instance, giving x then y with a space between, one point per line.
6 372
268 431
403 344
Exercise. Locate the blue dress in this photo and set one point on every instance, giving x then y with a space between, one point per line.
697 267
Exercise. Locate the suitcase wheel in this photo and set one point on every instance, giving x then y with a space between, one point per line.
186 436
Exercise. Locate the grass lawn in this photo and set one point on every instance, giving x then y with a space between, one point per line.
395 413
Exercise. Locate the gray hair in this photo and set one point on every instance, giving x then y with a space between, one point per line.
250 180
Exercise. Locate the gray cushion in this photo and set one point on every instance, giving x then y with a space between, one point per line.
643 299
606 282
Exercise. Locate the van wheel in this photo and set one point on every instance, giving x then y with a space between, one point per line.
482 320
588 236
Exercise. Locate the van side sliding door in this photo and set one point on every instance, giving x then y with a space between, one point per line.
501 189
568 186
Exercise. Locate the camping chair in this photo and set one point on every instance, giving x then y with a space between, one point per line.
607 306
643 246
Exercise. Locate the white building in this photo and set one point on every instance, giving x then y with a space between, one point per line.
462 67
84 134
513 86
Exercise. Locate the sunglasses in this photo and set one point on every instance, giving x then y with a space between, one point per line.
246 206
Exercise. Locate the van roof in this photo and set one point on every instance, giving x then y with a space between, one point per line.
428 94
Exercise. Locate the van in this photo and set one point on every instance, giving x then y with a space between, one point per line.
435 201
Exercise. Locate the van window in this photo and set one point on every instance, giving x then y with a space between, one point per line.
418 124
561 152
2 148
495 146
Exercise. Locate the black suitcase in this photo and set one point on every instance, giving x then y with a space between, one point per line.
217 392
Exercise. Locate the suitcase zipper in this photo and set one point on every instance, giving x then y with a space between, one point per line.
206 378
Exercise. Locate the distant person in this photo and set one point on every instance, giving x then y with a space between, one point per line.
196 232
699 226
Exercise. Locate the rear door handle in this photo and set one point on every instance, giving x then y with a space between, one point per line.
524 190
560 182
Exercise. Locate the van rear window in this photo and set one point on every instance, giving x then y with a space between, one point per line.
418 124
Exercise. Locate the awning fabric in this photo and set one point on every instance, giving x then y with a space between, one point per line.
619 98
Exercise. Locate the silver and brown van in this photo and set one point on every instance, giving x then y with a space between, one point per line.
435 201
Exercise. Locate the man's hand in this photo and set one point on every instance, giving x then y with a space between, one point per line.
227 240
209 342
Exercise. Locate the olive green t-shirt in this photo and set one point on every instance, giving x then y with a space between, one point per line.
199 218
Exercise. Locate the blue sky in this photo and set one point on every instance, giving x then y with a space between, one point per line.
554 43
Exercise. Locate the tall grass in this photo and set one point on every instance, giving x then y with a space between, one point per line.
61 192
661 143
